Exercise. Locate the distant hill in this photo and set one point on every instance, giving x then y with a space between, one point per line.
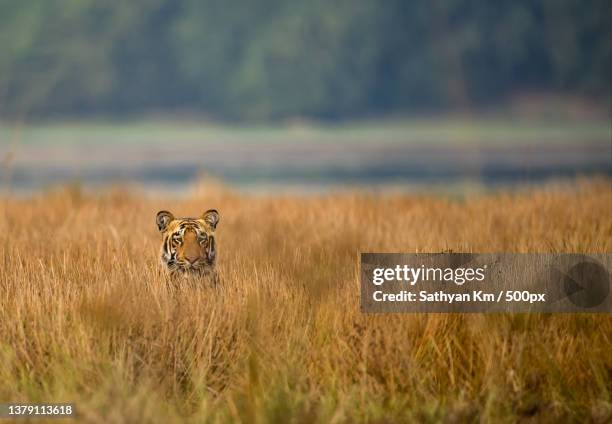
269 59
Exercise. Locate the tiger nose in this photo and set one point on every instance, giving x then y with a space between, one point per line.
191 258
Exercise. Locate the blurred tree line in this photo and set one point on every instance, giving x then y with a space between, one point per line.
268 59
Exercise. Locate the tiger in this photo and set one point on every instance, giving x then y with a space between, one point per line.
188 244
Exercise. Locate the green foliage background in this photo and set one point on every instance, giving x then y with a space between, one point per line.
268 59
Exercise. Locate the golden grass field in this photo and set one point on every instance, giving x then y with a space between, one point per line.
87 317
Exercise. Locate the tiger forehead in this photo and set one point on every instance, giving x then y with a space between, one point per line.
186 224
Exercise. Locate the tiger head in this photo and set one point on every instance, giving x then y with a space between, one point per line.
188 244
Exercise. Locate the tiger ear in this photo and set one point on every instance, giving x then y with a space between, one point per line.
163 219
211 217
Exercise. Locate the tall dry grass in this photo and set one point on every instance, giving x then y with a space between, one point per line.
87 317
